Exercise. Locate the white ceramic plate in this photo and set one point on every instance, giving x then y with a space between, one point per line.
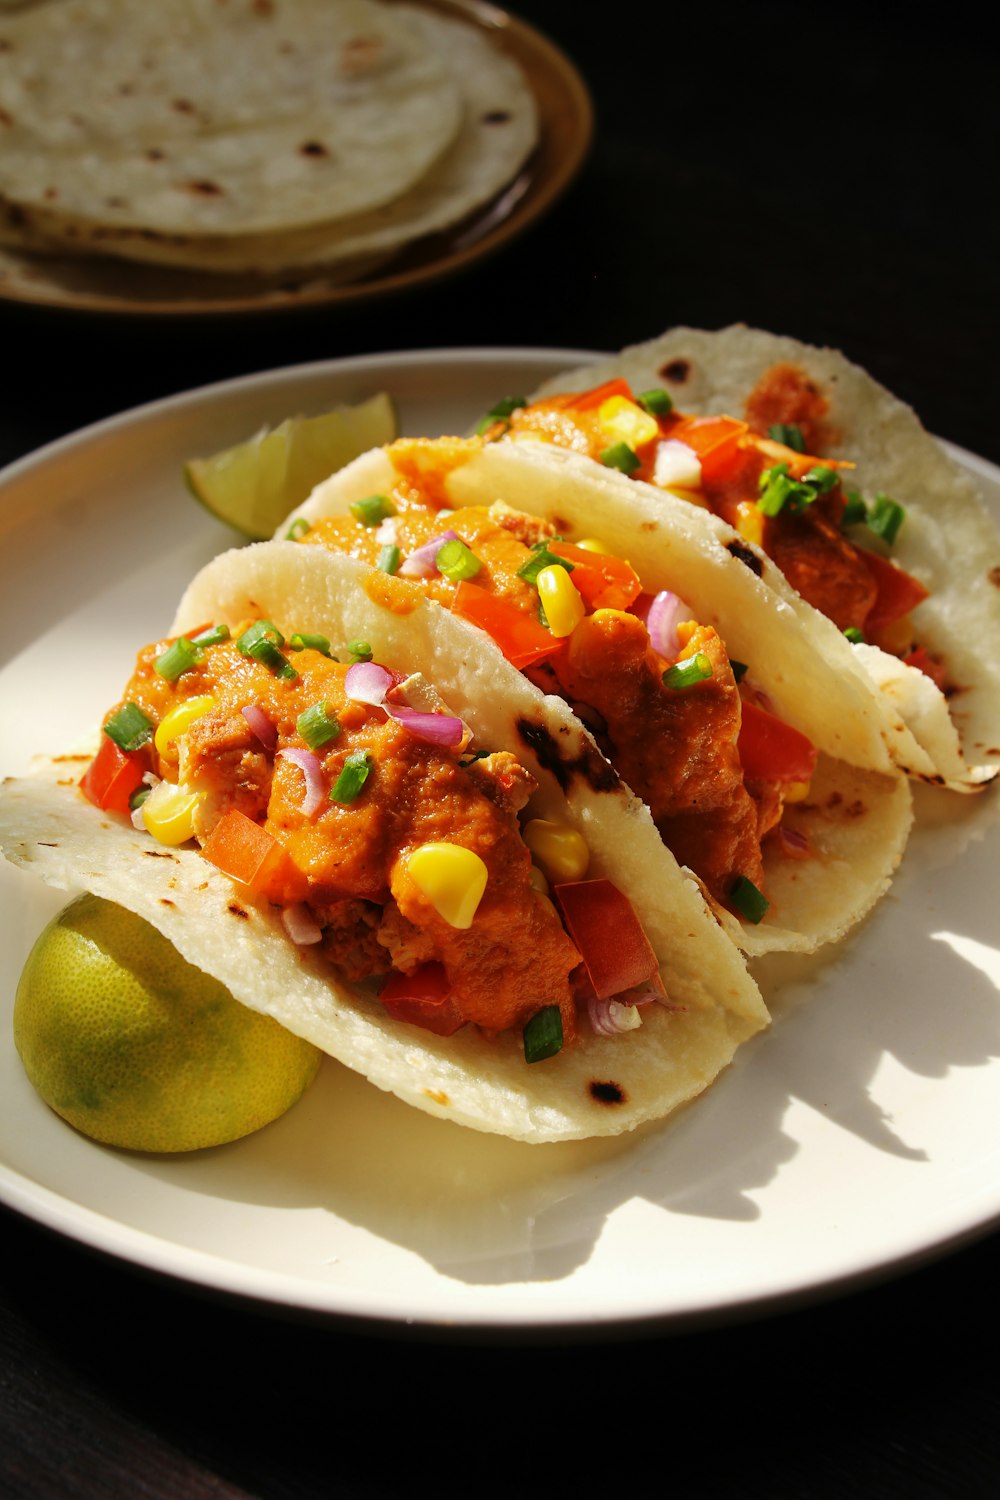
861 1133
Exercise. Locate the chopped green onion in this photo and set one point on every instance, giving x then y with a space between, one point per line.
372 509
658 402
684 674
885 518
139 796
215 635
262 641
129 727
541 558
352 778
503 410
543 1034
303 640
854 635
298 529
739 669
855 509
779 489
821 477
389 558
457 561
747 899
180 656
789 433
360 651
620 456
318 725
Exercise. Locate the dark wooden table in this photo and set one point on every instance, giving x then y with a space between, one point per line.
820 171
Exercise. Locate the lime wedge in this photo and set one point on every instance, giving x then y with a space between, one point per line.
254 485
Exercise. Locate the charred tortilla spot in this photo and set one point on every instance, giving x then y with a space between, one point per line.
205 189
993 576
313 148
606 1092
676 371
589 763
495 117
238 911
159 854
745 555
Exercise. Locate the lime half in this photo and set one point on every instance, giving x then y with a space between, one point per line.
255 485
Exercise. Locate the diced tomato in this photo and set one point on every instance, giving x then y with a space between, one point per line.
584 400
113 775
247 852
522 638
898 592
602 923
771 750
603 581
716 441
423 998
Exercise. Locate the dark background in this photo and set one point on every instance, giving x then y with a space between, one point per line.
821 171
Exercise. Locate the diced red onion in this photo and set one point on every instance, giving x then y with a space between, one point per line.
301 925
149 779
422 562
312 769
666 612
610 1017
367 682
433 729
261 725
794 841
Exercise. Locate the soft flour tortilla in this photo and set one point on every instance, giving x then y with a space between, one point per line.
600 1086
859 811
308 164
948 540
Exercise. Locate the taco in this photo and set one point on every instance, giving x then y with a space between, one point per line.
867 516
345 844
780 794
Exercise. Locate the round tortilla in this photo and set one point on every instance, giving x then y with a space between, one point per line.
600 1086
357 176
948 540
190 117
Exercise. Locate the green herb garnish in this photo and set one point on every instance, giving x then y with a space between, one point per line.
543 1034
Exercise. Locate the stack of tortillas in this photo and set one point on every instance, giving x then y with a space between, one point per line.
250 136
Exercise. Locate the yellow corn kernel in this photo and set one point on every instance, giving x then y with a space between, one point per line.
452 878
537 881
168 813
173 725
561 601
558 849
795 791
594 544
750 521
625 422
549 905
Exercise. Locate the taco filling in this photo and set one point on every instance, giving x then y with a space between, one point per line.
681 723
350 798
765 477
